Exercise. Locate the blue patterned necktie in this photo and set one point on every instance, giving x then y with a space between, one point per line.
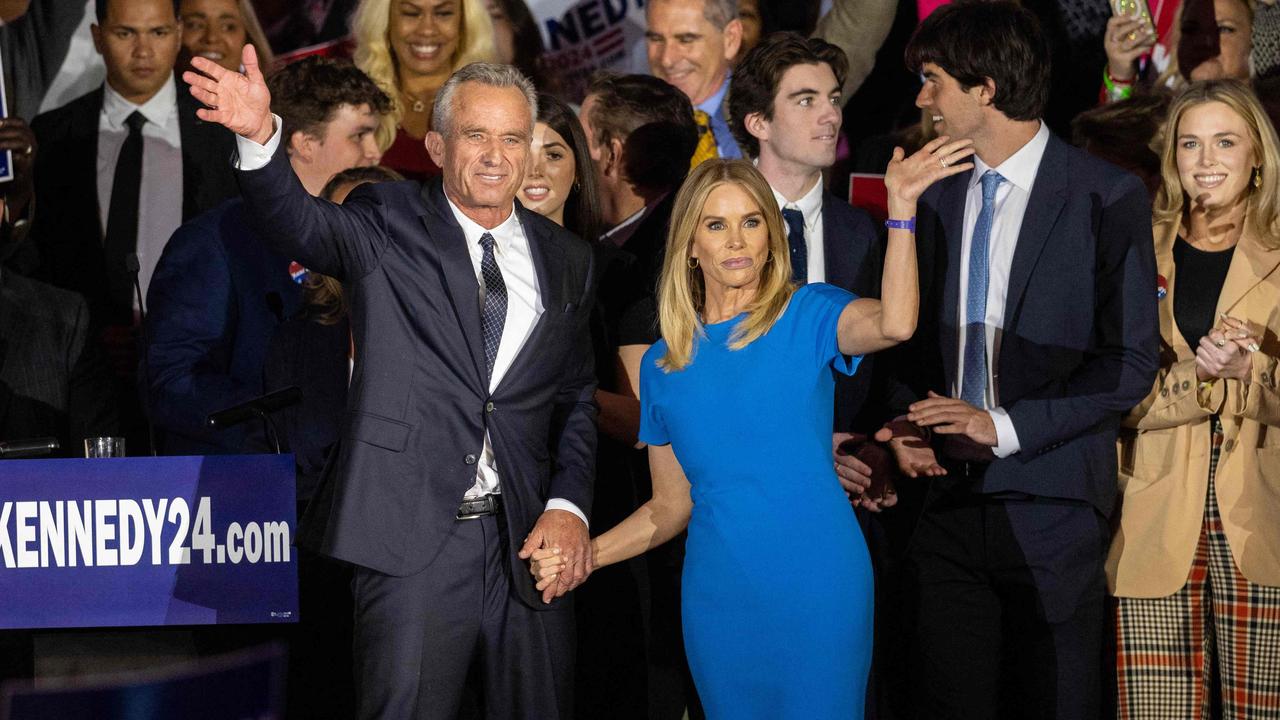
973 389
494 314
799 251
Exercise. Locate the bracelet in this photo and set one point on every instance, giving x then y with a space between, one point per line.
908 225
1116 89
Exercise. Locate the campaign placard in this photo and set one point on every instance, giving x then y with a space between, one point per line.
148 541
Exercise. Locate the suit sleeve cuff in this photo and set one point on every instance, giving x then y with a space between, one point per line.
562 504
1006 436
251 155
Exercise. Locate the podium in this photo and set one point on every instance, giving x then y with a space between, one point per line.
149 541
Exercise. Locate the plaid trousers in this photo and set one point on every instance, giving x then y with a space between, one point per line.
1218 629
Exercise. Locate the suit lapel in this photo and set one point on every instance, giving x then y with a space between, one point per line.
1048 197
459 274
951 212
546 254
82 151
1250 265
839 269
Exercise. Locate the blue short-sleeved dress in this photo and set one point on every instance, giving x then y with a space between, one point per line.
777 595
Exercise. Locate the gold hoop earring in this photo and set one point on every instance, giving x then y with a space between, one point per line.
1257 177
692 262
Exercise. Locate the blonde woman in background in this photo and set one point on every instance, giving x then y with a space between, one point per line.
1195 561
409 48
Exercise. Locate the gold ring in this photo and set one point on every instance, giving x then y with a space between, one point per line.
1133 35
1220 343
942 162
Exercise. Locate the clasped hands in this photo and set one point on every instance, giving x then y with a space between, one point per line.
1225 353
968 433
559 553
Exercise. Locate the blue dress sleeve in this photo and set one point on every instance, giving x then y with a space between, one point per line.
820 306
653 428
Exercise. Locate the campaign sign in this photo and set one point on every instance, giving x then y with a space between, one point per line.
147 541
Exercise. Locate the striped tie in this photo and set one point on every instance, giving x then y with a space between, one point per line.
494 314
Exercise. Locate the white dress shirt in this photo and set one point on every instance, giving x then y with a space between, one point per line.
1019 173
160 192
810 205
524 302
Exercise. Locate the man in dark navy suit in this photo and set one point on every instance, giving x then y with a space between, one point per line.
785 110
219 292
470 437
1037 332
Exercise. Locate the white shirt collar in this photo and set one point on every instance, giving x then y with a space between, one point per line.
160 110
809 204
473 231
1021 167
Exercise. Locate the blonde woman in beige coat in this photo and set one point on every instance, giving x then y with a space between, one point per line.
1195 562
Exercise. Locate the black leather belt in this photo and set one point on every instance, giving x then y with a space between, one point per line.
472 508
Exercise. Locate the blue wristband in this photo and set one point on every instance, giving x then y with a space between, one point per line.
908 225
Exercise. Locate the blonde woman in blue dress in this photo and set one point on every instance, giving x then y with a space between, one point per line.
737 411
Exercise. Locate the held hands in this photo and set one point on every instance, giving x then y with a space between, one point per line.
907 177
558 534
1127 38
241 103
1225 352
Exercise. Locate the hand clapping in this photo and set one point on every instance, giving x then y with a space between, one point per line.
1225 352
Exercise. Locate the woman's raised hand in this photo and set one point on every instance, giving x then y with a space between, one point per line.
908 177
239 102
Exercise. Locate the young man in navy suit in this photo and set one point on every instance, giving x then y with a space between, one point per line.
784 107
470 433
1037 332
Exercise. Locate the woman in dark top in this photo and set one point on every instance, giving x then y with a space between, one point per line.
1195 561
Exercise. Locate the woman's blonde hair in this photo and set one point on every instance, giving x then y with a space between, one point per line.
682 289
371 24
1262 208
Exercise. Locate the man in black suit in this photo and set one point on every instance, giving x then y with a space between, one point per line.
1038 330
641 135
107 178
470 437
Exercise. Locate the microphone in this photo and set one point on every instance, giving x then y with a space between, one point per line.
259 407
28 448
134 268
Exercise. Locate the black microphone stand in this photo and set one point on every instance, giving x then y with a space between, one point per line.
135 268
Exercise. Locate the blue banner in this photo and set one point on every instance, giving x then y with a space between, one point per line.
147 541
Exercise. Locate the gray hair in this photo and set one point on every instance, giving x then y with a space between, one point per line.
491 74
720 12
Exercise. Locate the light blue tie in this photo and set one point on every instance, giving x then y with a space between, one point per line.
973 390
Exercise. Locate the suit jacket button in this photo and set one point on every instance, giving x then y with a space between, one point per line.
1164 392
488 407
1226 446
469 459
1186 384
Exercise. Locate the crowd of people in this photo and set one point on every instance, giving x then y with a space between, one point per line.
617 402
